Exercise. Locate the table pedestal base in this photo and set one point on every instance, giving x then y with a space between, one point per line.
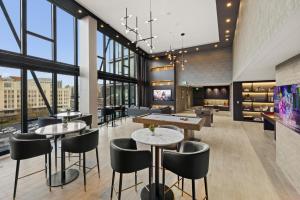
146 196
71 175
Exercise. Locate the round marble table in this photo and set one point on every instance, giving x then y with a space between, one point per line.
68 115
161 137
62 177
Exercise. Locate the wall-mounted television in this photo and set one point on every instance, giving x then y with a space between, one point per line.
287 105
162 95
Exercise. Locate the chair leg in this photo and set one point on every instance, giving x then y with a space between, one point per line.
98 162
49 163
55 151
46 165
112 185
178 179
84 175
150 181
135 181
16 178
193 189
79 161
120 186
182 186
163 182
205 185
62 168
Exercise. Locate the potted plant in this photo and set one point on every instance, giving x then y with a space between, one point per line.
152 129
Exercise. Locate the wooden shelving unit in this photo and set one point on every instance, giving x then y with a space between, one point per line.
162 83
257 97
162 68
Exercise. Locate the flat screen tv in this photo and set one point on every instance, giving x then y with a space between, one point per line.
162 95
287 105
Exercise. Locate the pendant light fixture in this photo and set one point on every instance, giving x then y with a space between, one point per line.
182 61
138 36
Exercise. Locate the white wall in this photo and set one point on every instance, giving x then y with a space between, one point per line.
267 34
207 68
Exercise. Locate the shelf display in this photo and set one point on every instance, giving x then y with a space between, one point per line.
257 97
162 83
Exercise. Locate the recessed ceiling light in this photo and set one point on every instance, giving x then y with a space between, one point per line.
197 49
117 36
185 51
102 26
79 11
227 39
157 58
229 4
228 20
227 36
128 43
215 45
227 31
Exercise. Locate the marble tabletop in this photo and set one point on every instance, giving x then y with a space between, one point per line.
68 114
61 128
161 137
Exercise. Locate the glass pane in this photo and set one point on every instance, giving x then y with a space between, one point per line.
100 64
110 93
109 57
118 58
99 44
132 65
10 104
39 48
36 105
133 94
39 17
7 39
100 100
119 93
126 94
65 37
65 93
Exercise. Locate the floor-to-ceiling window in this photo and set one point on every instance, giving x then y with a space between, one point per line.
10 104
48 41
117 66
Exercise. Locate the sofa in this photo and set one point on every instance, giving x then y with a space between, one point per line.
140 110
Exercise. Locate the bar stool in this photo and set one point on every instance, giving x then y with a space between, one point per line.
191 162
25 146
81 144
125 158
87 118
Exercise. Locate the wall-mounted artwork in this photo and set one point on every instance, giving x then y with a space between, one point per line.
216 92
287 105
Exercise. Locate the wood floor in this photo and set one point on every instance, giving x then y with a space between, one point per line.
242 167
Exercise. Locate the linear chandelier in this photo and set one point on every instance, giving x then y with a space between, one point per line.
135 30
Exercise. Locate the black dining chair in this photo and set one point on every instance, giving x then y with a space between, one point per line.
24 146
174 147
87 118
45 121
191 162
125 158
109 113
81 144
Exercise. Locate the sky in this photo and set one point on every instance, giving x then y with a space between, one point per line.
38 21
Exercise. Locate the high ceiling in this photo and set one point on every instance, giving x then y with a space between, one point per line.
196 18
